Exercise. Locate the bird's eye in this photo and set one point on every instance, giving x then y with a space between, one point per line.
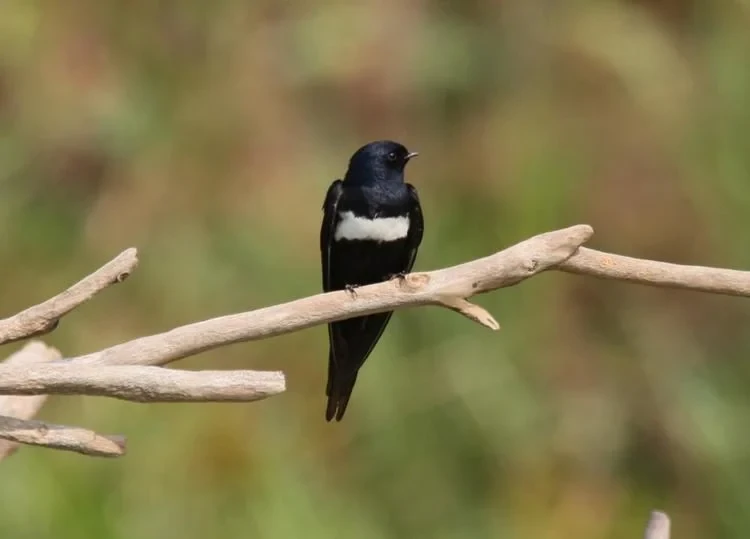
392 156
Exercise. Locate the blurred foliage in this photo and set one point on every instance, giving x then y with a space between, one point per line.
206 133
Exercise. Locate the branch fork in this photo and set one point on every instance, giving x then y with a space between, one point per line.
135 370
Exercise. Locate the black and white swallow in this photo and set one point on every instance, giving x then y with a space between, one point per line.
372 228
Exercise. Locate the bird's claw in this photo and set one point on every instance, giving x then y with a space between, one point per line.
351 288
401 276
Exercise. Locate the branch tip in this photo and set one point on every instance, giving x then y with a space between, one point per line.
140 383
44 317
75 439
658 526
472 311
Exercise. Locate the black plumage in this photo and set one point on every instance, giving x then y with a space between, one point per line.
372 228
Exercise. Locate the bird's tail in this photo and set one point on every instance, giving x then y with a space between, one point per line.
339 389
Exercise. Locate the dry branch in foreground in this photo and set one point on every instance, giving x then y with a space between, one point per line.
445 287
662 274
44 317
658 526
86 442
115 371
449 287
141 384
23 407
25 384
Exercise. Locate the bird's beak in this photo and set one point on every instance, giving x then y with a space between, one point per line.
410 155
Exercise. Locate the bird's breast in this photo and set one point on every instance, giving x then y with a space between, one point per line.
355 227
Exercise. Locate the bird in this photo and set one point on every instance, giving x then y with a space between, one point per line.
371 231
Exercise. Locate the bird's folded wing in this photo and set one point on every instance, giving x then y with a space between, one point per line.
327 230
416 227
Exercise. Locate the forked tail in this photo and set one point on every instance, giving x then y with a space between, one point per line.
339 389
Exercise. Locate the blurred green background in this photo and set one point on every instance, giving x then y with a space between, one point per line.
176 127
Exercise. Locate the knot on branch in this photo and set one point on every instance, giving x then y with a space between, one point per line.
414 282
531 265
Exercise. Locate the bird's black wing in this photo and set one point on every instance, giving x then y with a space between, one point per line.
337 345
416 227
327 230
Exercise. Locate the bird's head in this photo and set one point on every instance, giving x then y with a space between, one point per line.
383 160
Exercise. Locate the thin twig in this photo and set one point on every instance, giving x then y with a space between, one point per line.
24 407
86 442
44 317
141 384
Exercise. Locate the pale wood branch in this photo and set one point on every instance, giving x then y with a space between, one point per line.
446 287
472 311
141 384
658 526
449 287
24 407
86 442
15 413
106 372
44 317
661 274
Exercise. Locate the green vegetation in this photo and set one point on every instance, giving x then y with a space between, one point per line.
175 126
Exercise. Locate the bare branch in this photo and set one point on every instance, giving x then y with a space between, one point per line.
472 311
443 287
44 317
141 384
658 526
449 287
24 407
124 371
662 274
82 441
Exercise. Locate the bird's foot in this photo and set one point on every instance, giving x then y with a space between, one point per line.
351 288
400 276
